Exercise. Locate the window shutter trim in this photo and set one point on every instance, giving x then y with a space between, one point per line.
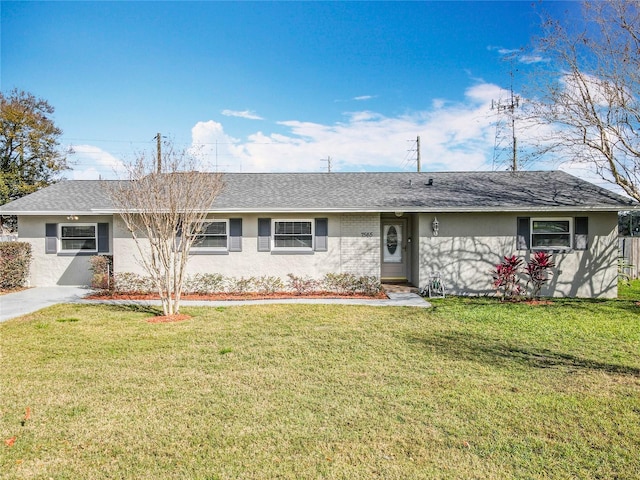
264 234
103 238
51 238
581 233
523 238
235 234
322 234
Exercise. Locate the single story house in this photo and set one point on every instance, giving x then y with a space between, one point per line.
400 227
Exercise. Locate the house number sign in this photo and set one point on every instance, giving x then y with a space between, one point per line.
366 234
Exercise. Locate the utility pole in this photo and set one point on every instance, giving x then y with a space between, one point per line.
408 160
159 146
328 160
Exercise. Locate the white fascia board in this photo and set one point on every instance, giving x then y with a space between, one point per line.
620 208
51 212
227 211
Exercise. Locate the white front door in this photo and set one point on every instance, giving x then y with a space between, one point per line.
394 245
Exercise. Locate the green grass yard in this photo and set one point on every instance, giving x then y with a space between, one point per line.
469 389
629 290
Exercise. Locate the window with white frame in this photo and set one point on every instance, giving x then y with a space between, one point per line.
293 235
213 236
78 237
551 233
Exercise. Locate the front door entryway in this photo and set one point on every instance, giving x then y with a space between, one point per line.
394 250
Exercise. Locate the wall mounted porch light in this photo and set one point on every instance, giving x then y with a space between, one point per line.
72 217
436 226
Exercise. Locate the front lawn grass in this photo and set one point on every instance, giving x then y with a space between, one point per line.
629 290
469 389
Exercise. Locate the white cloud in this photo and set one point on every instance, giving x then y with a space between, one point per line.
91 163
363 97
508 51
530 59
215 149
248 114
519 54
454 136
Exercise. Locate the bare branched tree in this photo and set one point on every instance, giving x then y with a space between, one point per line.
591 96
164 212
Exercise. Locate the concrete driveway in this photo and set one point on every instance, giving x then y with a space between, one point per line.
27 301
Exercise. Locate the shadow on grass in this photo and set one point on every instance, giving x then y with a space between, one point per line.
470 347
138 307
591 303
582 304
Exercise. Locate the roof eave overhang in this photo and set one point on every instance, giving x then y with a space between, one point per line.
431 210
396 209
53 212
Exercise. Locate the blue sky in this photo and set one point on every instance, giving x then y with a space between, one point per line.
272 86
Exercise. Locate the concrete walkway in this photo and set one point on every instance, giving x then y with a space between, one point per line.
394 300
27 301
32 299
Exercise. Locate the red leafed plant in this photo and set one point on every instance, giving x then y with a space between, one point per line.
538 270
505 277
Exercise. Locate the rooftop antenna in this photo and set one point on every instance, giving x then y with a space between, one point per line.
328 160
509 107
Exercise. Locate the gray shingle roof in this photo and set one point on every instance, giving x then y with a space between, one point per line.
298 192
68 196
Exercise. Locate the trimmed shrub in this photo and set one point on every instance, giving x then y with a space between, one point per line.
268 285
369 285
205 283
127 282
341 283
303 285
213 283
15 259
101 269
350 284
239 286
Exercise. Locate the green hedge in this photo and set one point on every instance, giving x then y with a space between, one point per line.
15 258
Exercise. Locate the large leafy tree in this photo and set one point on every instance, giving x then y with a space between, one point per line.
30 153
591 98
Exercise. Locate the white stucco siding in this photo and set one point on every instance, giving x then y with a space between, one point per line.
50 269
470 245
465 250
592 272
347 250
126 257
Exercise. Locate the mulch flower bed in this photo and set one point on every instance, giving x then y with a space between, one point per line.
169 318
230 296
